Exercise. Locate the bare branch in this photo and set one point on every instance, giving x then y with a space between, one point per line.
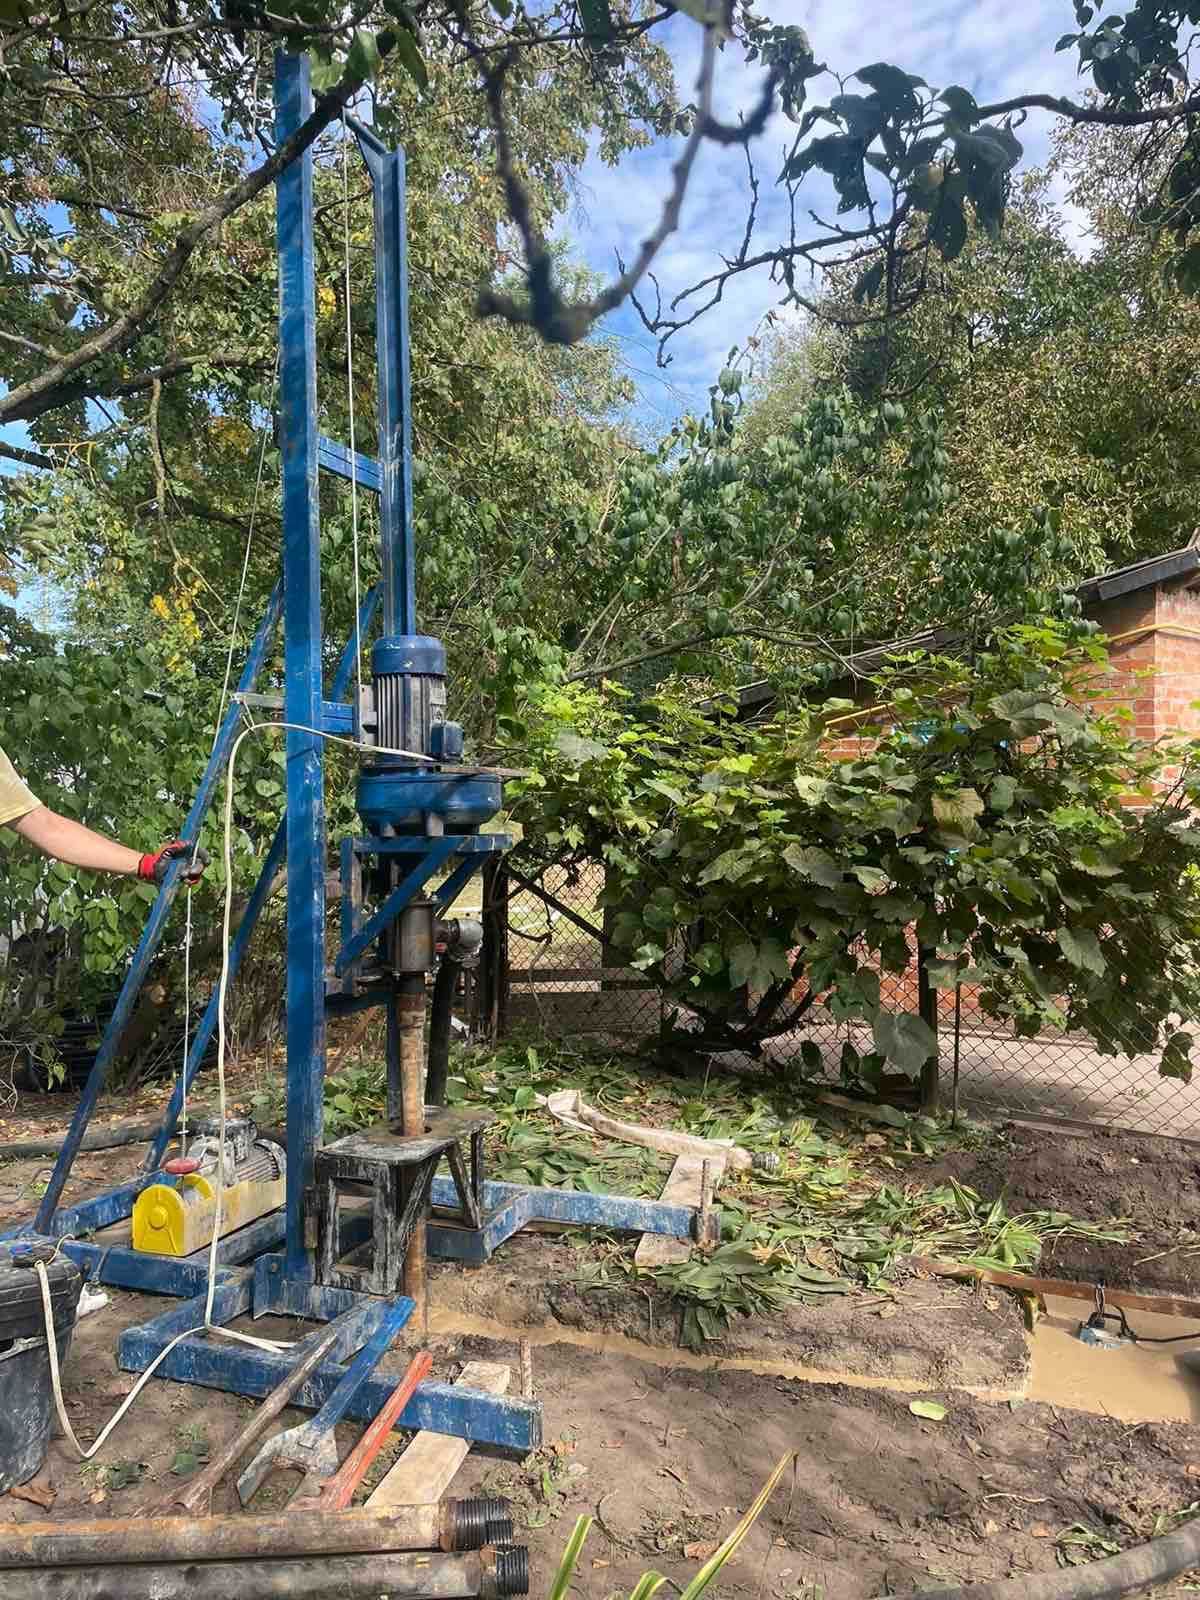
40 394
556 320
27 458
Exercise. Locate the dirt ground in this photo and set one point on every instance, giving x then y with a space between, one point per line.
665 1448
665 1457
1152 1183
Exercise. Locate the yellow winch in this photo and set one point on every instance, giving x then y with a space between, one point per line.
176 1221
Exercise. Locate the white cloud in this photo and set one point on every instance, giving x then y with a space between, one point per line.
994 51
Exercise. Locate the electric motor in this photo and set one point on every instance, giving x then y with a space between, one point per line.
409 675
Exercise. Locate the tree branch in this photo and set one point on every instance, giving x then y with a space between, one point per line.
555 319
39 394
27 458
1171 111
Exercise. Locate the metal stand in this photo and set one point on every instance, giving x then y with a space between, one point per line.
422 815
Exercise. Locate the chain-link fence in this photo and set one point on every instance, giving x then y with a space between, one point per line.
553 968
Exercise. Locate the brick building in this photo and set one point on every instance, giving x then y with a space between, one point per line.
1150 614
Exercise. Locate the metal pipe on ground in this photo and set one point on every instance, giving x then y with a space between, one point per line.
448 1525
486 1574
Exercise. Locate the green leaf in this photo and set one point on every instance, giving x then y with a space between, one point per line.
597 20
943 974
962 103
570 1559
1176 1058
812 790
410 58
931 1410
894 88
1002 793
362 58
956 809
904 1038
869 284
818 866
1082 949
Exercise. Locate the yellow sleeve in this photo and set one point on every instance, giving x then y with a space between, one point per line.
16 801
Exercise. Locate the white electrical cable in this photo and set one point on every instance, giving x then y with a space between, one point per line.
207 1326
237 610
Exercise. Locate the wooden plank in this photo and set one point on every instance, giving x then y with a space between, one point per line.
1065 1288
682 1189
427 1468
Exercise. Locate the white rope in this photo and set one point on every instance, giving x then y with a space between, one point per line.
221 1042
350 407
241 594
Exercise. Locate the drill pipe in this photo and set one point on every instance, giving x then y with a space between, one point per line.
448 1525
487 1574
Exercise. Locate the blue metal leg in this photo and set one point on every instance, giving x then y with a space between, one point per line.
258 899
438 852
302 659
208 1023
505 1421
446 894
155 924
394 383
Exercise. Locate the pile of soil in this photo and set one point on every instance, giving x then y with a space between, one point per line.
1151 1183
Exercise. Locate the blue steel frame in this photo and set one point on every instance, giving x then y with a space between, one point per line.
254 1275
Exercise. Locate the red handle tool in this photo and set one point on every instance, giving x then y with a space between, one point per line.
336 1493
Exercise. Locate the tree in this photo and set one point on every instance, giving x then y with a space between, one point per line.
754 874
1059 386
907 164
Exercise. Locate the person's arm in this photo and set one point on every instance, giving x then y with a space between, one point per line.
77 846
74 844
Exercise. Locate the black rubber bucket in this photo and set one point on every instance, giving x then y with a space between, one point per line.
26 1391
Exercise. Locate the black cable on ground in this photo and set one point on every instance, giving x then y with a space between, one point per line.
1142 1567
110 1138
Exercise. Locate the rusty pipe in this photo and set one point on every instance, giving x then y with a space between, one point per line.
410 1039
446 1525
488 1574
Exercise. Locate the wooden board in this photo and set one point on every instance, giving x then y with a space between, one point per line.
682 1189
1065 1288
427 1468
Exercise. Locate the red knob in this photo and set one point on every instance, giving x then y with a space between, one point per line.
180 1166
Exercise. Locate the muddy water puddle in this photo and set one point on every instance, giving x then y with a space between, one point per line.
1136 1383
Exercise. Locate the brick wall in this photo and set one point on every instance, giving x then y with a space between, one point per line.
1153 675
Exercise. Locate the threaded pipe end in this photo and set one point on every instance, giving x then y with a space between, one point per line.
500 1529
765 1161
467 1524
512 1570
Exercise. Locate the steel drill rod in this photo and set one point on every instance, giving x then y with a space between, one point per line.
434 1576
445 1525
410 1028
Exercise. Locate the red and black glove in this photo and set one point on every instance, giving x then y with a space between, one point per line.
153 868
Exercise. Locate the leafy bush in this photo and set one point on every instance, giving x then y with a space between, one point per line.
1039 852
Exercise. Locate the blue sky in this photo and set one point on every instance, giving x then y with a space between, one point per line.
993 50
